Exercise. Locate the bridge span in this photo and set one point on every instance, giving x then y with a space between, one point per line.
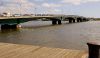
13 22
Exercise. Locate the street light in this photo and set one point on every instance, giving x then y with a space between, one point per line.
20 7
35 11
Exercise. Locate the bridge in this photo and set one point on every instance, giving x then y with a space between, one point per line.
13 22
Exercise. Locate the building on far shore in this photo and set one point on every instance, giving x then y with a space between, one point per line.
1 15
28 15
16 15
6 14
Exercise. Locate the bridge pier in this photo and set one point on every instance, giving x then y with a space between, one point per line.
78 20
84 19
81 20
59 22
54 22
70 21
8 26
73 20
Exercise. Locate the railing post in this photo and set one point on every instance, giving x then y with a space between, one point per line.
94 49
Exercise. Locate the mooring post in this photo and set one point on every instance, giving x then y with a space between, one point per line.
94 49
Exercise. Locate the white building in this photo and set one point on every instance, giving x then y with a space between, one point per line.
7 14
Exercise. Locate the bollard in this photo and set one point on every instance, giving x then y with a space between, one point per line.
94 48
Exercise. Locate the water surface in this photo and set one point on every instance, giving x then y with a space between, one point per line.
43 33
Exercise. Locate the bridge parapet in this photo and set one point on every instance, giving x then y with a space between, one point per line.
22 19
5 21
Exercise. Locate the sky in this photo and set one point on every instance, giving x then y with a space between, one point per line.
87 8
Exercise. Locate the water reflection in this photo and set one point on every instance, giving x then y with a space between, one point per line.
8 30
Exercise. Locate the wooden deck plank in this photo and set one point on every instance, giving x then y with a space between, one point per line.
28 51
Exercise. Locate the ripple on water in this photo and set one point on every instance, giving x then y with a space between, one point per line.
73 36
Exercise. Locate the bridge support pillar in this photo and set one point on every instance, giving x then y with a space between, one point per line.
8 26
70 21
54 22
81 20
73 20
59 22
78 20
84 20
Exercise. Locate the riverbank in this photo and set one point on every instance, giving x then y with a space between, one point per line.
96 19
8 50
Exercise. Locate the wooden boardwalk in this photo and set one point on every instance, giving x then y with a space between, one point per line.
28 51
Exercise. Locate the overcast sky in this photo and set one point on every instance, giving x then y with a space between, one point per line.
88 8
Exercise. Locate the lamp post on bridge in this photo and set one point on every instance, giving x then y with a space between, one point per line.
20 7
35 11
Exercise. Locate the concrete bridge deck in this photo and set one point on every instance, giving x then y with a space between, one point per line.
8 50
13 22
28 17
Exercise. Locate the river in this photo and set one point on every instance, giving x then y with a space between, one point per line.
43 33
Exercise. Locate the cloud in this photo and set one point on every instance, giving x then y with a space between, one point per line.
51 5
16 6
77 2
39 0
25 6
85 1
53 11
52 8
